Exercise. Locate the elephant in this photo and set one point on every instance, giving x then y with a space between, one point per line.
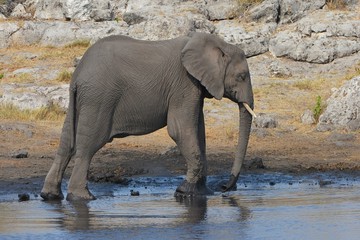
124 86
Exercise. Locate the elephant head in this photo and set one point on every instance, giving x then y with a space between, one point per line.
223 70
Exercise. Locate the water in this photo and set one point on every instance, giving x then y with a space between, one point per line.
265 206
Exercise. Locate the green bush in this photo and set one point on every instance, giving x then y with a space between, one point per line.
317 110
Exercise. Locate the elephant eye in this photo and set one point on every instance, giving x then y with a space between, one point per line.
240 77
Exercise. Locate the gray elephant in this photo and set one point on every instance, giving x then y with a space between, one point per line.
124 86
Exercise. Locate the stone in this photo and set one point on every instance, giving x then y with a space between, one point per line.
132 18
20 154
7 29
265 121
2 16
267 11
220 10
255 163
308 117
23 197
35 97
253 43
293 10
20 12
343 108
279 70
49 9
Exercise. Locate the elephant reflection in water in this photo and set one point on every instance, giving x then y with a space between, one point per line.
77 215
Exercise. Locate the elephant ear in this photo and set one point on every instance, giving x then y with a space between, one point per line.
204 58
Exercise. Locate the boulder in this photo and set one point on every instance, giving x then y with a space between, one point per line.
265 121
49 9
292 10
58 33
267 11
220 10
320 37
343 108
308 117
252 42
20 12
7 29
35 96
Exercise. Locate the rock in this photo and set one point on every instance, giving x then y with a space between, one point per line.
35 97
323 183
132 18
20 12
57 33
319 38
49 9
308 117
255 163
267 11
168 27
23 197
2 16
343 108
24 128
7 29
253 43
279 70
220 10
265 121
20 154
134 193
293 10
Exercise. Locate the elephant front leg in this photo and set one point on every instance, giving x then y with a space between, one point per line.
190 138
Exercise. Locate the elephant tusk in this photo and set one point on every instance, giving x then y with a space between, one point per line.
249 110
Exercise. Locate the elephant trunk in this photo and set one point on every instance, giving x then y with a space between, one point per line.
245 120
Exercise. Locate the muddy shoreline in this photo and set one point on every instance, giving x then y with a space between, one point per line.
300 152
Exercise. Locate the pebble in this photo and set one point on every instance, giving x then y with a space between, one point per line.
23 197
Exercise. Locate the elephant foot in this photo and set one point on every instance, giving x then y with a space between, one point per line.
84 195
190 190
47 196
51 192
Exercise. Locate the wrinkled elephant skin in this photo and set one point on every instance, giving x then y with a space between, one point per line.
124 87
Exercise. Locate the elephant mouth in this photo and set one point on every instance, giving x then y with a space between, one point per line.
248 108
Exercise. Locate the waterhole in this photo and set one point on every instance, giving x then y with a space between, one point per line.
265 206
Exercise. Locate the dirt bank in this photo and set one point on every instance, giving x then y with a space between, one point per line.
295 151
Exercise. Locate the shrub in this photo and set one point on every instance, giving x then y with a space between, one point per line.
317 110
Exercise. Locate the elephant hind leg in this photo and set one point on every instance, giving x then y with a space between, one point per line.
93 132
52 184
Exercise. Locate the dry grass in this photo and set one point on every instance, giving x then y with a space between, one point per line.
49 57
310 84
64 76
13 113
336 4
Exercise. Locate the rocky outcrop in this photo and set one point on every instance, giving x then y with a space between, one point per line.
311 34
25 96
284 33
320 37
343 108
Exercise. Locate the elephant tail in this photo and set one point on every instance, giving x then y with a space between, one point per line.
72 117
